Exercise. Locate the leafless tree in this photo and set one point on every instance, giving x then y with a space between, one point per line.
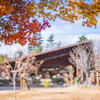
22 65
76 57
96 50
70 70
82 55
96 47
88 60
26 68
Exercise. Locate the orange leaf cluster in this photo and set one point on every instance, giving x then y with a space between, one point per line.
24 34
15 25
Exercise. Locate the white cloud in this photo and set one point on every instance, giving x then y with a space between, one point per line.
68 27
74 38
98 22
52 30
69 39
10 50
93 36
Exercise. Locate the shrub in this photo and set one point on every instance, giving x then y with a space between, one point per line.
37 81
46 84
75 79
57 80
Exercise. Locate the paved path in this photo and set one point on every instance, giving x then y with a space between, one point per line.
8 88
35 86
40 86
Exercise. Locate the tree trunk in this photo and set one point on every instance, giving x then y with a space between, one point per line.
26 82
36 70
14 85
71 79
97 80
86 82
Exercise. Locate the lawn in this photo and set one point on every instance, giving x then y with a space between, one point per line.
68 93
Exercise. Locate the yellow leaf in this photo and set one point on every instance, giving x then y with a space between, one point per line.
74 12
39 16
55 9
66 11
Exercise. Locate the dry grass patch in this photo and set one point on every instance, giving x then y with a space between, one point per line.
69 93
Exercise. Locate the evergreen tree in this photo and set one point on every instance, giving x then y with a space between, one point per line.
51 44
50 39
18 54
82 38
58 44
37 48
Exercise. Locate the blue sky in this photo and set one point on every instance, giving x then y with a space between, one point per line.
66 32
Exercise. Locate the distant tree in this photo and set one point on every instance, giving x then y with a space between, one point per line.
18 54
3 58
58 44
50 44
82 38
38 47
50 39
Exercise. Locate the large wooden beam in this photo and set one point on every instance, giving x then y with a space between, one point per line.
53 62
53 57
40 64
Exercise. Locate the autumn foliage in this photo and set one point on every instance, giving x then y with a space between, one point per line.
16 26
18 18
69 10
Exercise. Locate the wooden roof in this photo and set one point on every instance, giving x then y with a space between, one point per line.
57 56
60 48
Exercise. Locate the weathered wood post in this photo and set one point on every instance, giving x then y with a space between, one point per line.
36 70
82 66
77 71
97 74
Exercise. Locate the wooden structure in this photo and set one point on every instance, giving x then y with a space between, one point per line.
57 58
